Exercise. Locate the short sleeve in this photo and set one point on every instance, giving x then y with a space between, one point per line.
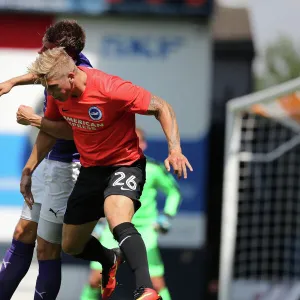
52 112
129 96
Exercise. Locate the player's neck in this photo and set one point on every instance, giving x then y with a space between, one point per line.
79 83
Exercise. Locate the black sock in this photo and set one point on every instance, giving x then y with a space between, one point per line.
133 247
94 251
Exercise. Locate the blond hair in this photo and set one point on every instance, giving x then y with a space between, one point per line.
52 64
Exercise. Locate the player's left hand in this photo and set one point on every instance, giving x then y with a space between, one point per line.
179 163
163 224
25 189
24 114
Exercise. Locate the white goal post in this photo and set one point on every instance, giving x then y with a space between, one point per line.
261 179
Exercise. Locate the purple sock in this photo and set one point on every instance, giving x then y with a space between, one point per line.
49 280
14 267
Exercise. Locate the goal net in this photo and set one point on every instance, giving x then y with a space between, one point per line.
260 242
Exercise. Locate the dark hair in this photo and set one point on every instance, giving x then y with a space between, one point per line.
68 34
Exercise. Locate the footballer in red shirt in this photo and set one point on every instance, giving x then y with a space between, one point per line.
101 110
103 118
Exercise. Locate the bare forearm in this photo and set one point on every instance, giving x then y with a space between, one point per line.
169 125
23 80
165 114
57 129
42 146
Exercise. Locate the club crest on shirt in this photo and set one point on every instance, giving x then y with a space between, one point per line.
95 113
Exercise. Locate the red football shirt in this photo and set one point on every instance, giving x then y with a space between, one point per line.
103 119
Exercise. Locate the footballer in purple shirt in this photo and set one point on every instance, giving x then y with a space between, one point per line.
52 183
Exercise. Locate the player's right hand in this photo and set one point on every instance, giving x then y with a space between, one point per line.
25 189
5 87
99 228
163 224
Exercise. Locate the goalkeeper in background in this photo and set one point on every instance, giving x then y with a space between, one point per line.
148 222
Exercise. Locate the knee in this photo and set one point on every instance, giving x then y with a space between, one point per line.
71 248
47 250
76 237
118 209
158 283
95 279
26 231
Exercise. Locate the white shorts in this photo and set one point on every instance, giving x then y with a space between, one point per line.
38 182
38 191
60 179
52 184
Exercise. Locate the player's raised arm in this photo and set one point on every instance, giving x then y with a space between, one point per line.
57 129
165 114
42 146
7 85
